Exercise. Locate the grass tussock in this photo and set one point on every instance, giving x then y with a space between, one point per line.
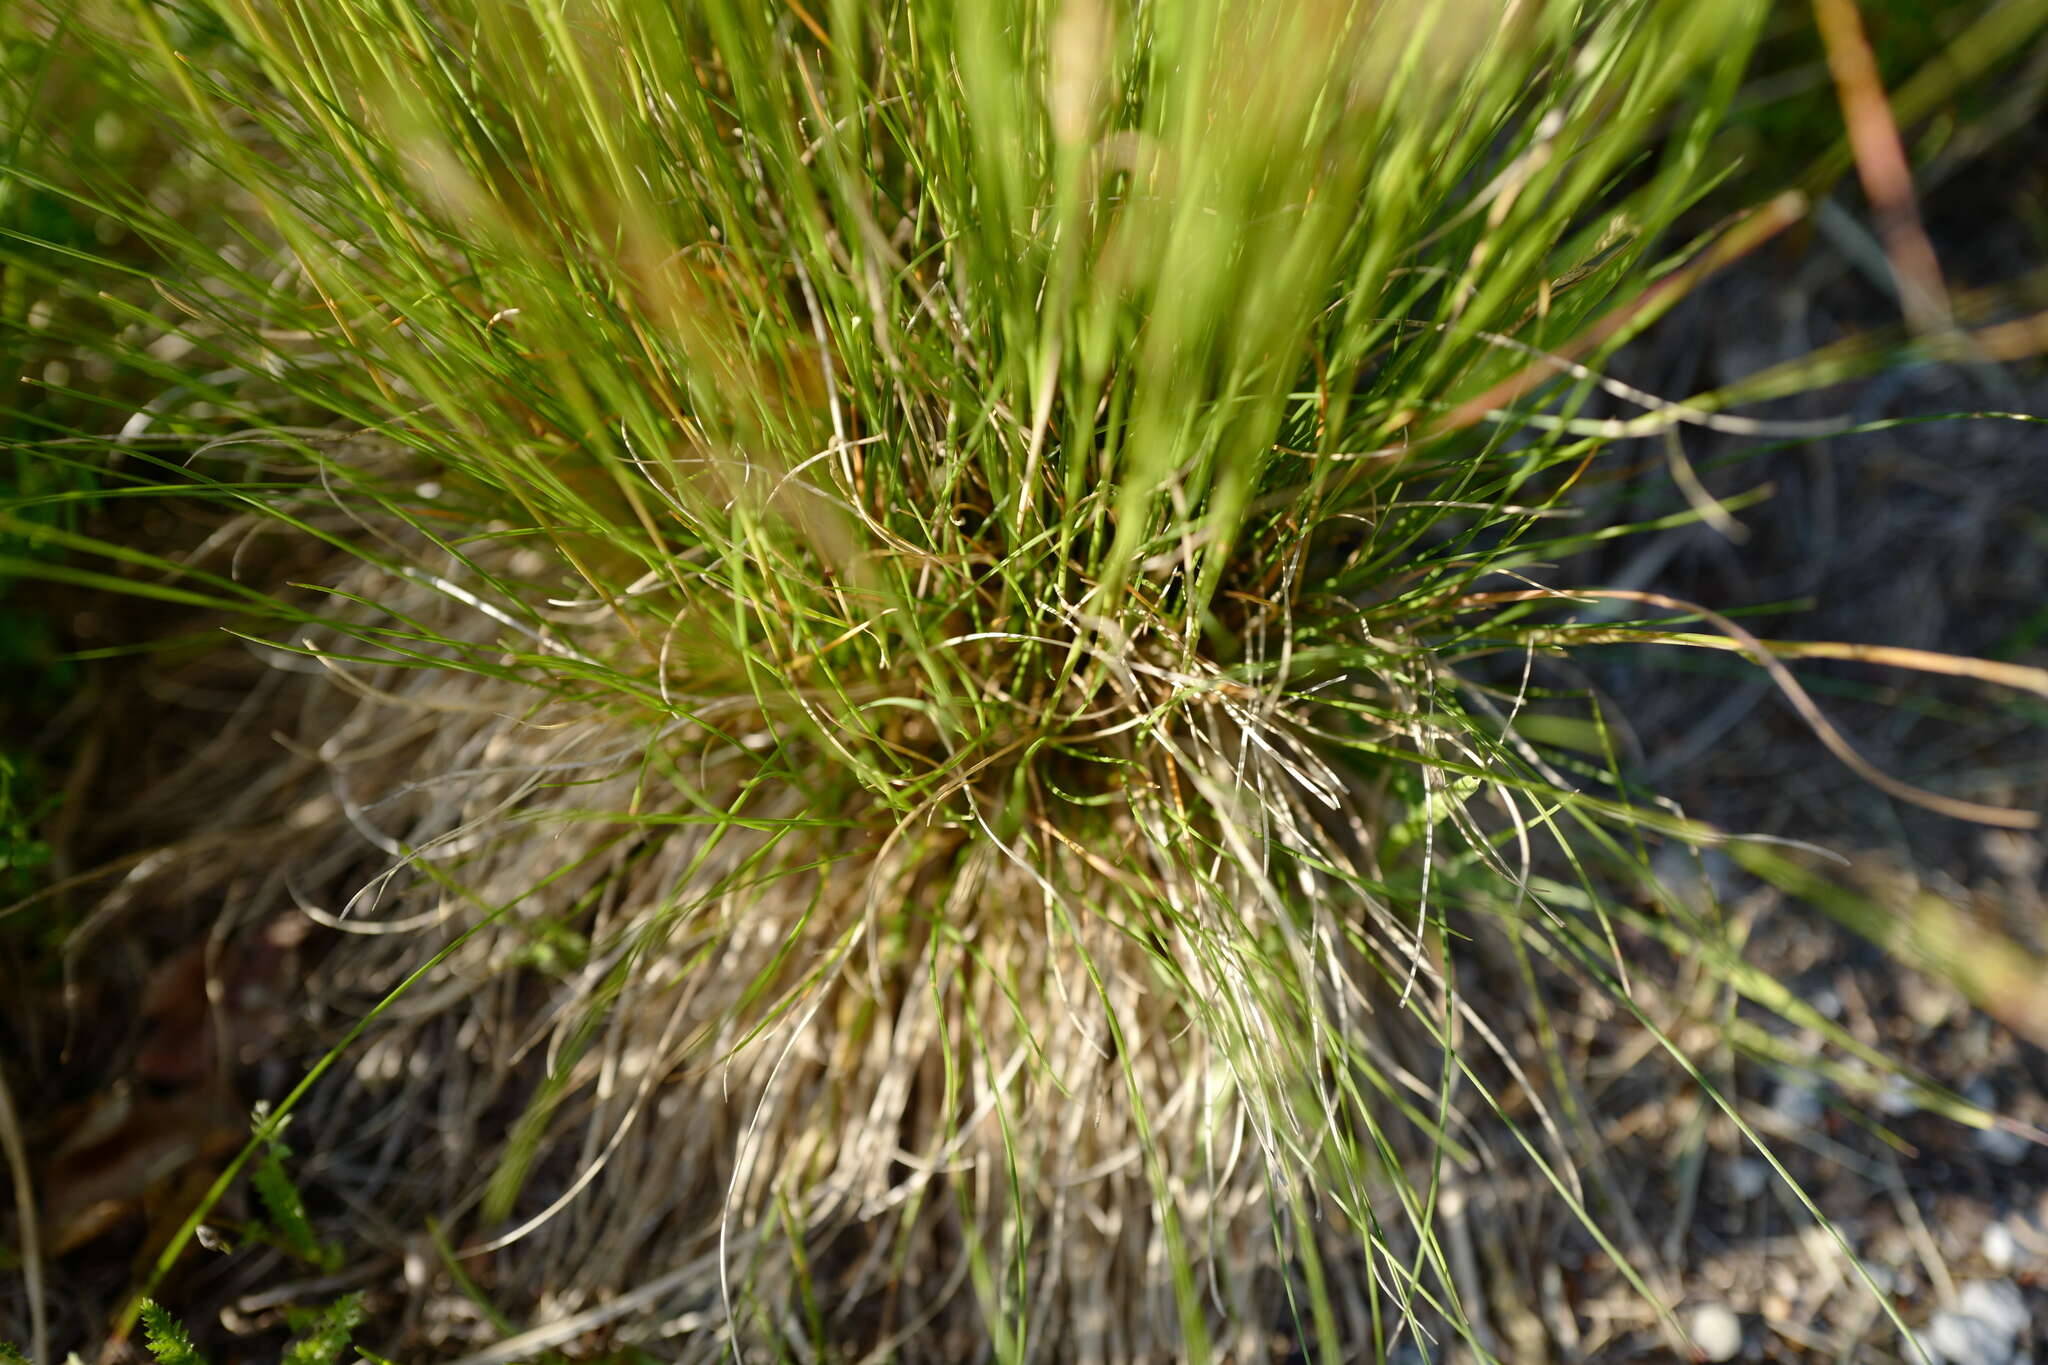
903 639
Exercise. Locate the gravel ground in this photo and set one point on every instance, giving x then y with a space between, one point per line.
1930 536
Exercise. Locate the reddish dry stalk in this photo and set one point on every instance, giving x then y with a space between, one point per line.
1881 165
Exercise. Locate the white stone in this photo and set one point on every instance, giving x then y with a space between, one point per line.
1997 1303
1959 1339
1984 1327
2004 1147
1716 1331
2001 1249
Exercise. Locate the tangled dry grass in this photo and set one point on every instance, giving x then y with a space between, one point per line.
786 1059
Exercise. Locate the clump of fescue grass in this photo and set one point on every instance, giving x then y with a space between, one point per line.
897 710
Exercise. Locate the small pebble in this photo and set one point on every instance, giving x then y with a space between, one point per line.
1797 1102
1716 1331
1999 1246
1927 1001
2005 1148
1997 1302
1896 1100
1983 1328
1747 1178
1959 1339
1675 867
